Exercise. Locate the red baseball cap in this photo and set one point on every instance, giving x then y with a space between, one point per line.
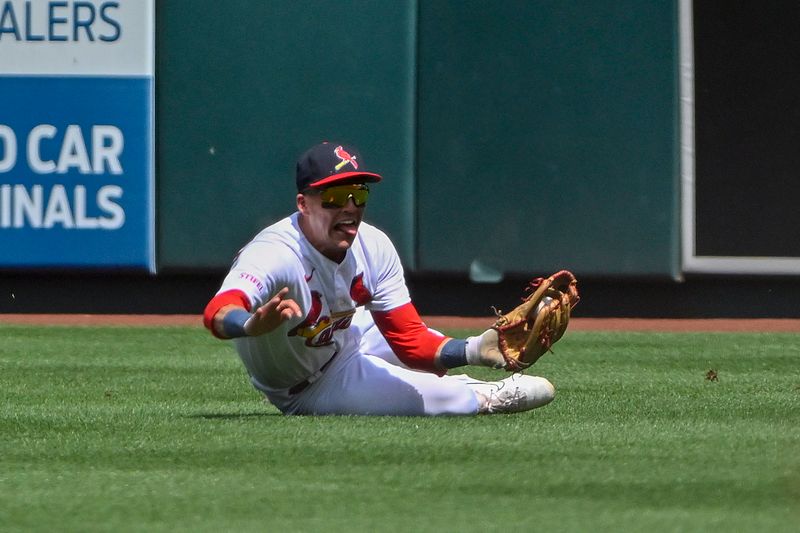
328 164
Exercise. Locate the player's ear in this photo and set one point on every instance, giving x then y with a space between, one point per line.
301 204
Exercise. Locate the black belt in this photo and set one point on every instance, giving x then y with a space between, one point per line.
303 385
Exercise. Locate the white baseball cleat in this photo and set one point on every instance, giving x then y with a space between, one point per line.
516 393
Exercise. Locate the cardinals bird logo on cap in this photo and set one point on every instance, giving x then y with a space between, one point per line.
345 157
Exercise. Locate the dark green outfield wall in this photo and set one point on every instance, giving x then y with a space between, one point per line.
498 124
548 129
244 87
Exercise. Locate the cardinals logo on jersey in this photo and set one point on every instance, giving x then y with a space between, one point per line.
359 292
345 158
318 330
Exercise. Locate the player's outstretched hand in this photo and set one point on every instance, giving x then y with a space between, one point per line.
272 314
484 350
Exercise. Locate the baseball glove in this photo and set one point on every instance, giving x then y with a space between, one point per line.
530 330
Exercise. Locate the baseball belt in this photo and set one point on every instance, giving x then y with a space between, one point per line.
303 385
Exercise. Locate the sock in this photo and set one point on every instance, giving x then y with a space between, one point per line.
473 350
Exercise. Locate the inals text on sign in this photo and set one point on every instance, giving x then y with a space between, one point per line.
62 205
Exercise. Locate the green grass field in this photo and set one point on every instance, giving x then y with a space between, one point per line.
157 429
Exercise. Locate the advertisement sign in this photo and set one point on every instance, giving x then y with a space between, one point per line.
76 134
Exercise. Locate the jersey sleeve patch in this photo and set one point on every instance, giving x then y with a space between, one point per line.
253 280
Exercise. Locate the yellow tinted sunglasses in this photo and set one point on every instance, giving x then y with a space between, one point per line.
334 197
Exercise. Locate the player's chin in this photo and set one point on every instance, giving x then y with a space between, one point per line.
346 243
342 241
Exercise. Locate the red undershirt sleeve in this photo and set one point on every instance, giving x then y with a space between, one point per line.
410 339
233 296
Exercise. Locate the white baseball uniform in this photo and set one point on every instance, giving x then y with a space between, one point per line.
334 360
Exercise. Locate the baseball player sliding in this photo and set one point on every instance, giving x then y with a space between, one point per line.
321 316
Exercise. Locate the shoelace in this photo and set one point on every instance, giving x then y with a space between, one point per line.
503 403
